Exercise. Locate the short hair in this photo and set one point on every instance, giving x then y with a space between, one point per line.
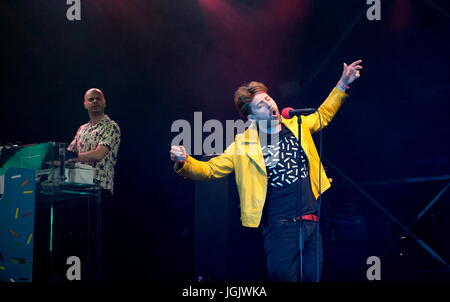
243 96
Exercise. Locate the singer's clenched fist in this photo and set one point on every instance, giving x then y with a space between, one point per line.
178 154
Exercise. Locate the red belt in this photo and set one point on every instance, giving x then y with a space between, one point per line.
310 217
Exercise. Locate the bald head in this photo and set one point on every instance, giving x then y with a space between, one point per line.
92 90
94 102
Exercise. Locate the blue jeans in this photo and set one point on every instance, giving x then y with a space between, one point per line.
281 245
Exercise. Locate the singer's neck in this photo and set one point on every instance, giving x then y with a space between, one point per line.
271 129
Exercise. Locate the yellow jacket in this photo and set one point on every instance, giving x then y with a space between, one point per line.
245 158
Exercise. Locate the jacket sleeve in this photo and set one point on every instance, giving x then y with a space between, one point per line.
326 111
214 168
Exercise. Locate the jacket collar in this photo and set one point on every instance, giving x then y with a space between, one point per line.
252 145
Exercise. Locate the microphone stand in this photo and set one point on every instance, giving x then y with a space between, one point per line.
300 237
301 242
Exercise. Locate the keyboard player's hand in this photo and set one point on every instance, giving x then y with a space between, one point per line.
71 161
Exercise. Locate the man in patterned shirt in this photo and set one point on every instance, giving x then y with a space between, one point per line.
275 174
97 143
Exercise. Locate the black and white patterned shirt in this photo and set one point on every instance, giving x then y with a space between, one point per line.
281 161
106 132
283 157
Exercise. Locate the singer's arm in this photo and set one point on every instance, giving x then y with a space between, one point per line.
326 111
216 167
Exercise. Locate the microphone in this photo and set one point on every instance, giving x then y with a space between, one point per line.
290 112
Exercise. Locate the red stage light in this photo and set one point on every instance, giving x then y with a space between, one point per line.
401 16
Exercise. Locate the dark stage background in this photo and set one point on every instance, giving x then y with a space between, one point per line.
158 61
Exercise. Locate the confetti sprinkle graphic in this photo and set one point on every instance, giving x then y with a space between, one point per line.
282 164
13 233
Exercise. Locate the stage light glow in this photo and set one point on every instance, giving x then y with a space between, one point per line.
252 36
401 16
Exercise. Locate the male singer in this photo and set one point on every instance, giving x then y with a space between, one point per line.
275 174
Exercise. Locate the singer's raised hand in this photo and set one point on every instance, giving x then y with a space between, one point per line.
351 72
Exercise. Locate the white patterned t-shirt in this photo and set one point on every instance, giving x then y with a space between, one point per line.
106 132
